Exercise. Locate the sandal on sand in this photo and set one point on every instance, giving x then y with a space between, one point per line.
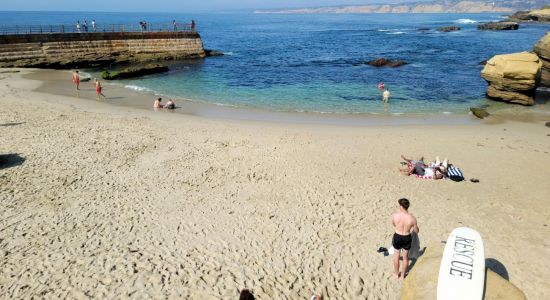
474 180
382 249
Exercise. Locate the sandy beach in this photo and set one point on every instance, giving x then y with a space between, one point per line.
107 201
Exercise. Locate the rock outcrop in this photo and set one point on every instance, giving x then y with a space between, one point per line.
499 26
542 49
383 62
449 28
513 77
539 15
422 280
133 72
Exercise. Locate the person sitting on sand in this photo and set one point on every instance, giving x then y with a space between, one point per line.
157 104
170 104
403 222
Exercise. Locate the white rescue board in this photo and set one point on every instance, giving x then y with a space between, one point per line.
462 270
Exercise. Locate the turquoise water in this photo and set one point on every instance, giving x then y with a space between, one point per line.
315 63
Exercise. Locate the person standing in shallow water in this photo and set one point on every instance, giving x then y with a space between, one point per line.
404 223
76 82
386 95
99 90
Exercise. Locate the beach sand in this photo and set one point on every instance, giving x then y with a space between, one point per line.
106 201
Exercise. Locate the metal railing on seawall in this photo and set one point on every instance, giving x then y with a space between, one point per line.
99 28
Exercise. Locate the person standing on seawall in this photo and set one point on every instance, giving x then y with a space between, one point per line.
193 25
78 26
93 25
175 25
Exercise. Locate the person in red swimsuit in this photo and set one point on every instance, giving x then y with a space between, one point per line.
98 90
76 82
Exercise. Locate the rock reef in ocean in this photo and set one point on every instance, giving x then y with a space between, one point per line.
513 77
499 26
449 28
133 72
384 62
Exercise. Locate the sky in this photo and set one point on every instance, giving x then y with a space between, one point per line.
173 5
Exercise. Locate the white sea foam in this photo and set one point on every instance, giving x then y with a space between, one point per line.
465 21
396 32
386 30
138 88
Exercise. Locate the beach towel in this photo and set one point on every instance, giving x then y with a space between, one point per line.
455 174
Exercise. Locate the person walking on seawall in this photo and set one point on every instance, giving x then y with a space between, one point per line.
93 25
193 25
386 95
175 25
78 26
76 82
85 26
403 222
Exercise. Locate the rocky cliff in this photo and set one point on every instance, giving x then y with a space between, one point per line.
441 6
68 50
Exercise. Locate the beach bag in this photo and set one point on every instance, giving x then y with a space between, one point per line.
455 174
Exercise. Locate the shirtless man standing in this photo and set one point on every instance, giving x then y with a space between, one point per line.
76 82
403 222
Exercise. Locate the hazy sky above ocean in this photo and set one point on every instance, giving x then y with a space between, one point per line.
171 5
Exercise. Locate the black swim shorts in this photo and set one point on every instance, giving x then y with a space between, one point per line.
402 241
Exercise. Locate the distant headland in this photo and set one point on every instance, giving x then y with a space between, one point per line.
438 6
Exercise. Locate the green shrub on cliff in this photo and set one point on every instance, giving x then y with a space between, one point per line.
134 72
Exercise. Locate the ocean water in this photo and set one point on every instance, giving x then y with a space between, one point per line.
316 63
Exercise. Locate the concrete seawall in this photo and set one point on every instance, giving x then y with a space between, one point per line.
68 50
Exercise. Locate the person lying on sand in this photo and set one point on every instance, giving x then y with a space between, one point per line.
170 104
413 166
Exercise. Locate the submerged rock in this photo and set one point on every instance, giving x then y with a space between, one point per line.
210 53
499 26
449 28
384 62
421 283
513 77
547 124
479 112
134 72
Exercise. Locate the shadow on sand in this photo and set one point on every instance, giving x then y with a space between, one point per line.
10 160
497 267
11 124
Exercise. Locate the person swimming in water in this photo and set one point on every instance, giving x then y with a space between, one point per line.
380 86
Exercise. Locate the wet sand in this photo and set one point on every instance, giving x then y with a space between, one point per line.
112 201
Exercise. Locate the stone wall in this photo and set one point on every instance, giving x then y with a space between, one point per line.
68 50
